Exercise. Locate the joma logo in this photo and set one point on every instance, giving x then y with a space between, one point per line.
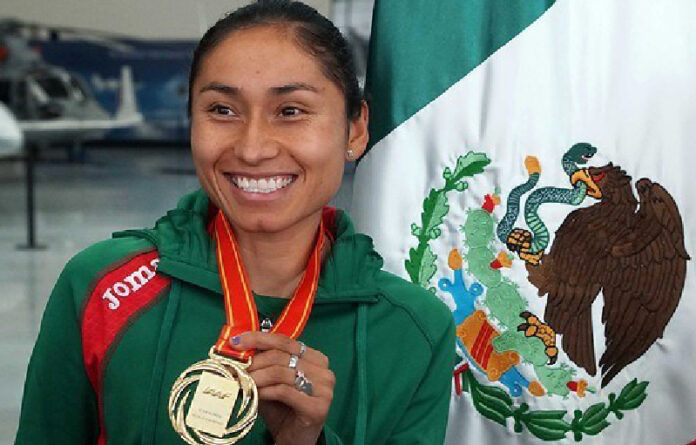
131 283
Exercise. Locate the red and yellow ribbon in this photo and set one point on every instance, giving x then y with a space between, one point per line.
240 307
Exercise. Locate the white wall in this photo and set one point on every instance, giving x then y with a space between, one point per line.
357 15
167 19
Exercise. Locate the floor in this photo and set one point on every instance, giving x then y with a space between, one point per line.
77 204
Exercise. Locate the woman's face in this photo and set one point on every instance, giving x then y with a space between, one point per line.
269 132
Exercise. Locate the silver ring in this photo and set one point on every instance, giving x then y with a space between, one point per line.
303 384
293 361
303 349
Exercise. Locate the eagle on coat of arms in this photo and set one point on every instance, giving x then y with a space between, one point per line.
632 250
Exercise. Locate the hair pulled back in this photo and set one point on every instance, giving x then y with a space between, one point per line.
314 33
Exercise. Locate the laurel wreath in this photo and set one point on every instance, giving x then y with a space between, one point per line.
421 263
490 401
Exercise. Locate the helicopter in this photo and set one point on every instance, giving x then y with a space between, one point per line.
50 103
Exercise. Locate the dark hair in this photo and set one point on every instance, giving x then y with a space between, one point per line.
313 32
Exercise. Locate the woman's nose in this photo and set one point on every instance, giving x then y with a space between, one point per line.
257 142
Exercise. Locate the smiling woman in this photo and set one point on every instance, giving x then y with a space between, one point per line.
312 342
253 121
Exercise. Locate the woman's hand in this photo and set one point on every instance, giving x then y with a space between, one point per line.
292 416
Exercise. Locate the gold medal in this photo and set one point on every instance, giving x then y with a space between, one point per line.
215 401
218 383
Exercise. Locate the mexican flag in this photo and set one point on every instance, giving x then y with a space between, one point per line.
532 165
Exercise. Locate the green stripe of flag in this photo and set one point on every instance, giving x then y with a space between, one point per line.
419 48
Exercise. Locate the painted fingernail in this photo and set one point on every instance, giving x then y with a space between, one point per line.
235 340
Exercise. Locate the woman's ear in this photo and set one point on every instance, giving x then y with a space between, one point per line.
358 134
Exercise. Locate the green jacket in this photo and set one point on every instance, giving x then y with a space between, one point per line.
113 339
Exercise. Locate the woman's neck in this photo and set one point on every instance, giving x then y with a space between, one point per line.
275 262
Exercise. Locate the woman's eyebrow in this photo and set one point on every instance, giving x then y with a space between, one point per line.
220 88
230 90
291 87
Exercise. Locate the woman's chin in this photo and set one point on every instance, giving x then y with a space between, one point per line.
258 220
267 211
262 224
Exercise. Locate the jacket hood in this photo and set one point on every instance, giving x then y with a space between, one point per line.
187 252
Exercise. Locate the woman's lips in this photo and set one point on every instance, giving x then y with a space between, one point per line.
259 186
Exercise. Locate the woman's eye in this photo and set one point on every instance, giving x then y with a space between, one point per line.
290 111
222 110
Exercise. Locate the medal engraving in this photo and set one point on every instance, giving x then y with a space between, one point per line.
212 404
220 382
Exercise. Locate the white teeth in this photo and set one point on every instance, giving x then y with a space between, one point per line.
262 185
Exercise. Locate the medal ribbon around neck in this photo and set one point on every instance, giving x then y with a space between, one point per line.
240 307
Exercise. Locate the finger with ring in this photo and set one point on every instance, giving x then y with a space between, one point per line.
293 361
303 349
303 384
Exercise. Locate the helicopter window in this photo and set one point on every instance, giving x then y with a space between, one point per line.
53 86
5 91
78 91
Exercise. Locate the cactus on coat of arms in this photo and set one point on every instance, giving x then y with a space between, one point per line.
504 304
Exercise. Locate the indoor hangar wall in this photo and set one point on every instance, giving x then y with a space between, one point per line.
160 19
